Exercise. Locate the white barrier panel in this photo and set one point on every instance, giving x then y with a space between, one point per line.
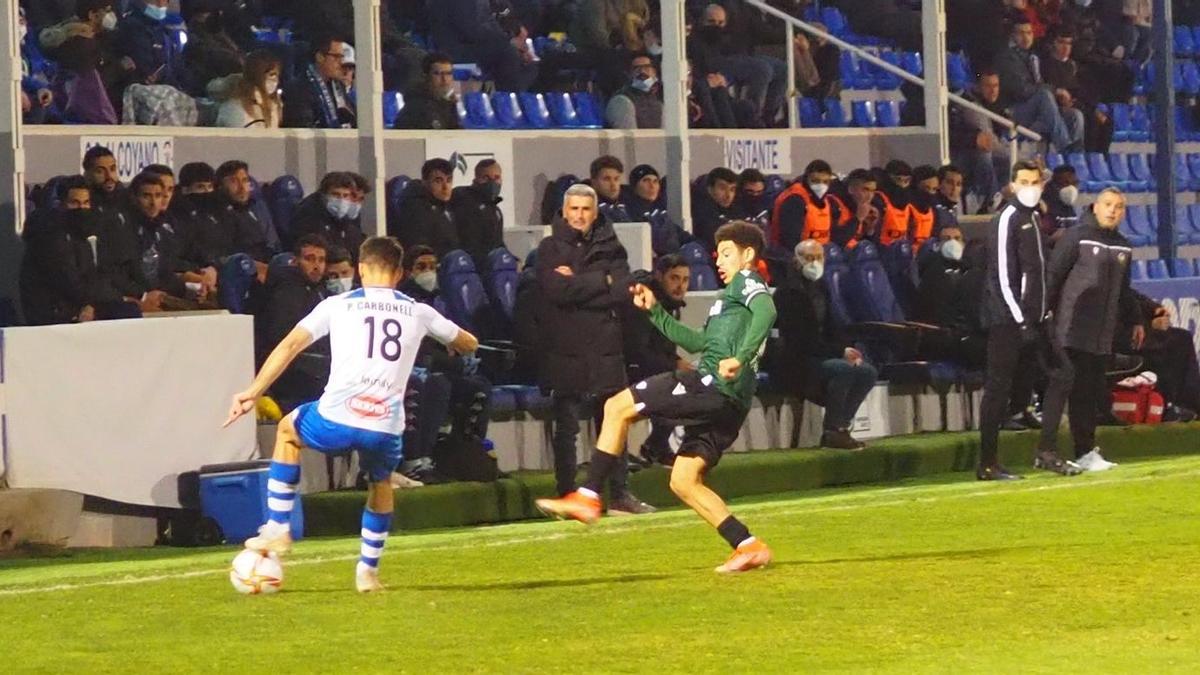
118 409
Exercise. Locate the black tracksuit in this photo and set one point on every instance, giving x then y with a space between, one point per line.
288 297
225 228
421 219
312 217
479 222
1013 310
1087 284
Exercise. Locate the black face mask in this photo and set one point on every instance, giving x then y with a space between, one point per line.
712 33
80 222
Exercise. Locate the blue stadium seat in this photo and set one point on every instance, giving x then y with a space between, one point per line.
863 114
285 194
1054 160
1157 269
1098 166
1140 123
1187 228
508 110
1120 171
887 113
835 114
898 261
393 103
1185 121
885 80
463 292
279 262
480 114
957 74
810 113
1139 167
1184 180
1137 270
1181 268
1086 182
502 402
589 109
703 275
834 20
912 63
851 73
1185 44
837 282
537 115
501 285
1194 219
1136 226
562 110
395 187
1122 121
871 291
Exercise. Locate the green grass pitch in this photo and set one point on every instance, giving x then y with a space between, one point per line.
1090 574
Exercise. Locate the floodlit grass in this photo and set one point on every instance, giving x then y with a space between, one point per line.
1090 574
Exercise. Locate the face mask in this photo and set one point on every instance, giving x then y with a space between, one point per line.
338 208
1084 3
427 280
79 220
654 50
1029 196
645 85
813 270
818 189
339 285
355 209
1069 195
109 21
155 12
491 189
952 249
271 85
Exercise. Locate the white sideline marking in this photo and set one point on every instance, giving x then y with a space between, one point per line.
685 519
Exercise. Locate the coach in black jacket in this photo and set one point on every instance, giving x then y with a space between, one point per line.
1014 308
1087 283
583 274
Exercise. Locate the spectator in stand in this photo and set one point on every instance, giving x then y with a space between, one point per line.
89 74
806 210
339 271
1033 104
709 104
477 214
254 101
637 105
145 46
160 249
1103 75
468 31
753 199
331 212
1060 198
644 204
892 199
817 360
715 205
211 52
193 195
818 69
291 292
36 73
979 144
108 194
605 33
1171 353
1134 30
950 193
605 178
424 216
885 18
434 106
59 280
857 192
231 225
716 49
1062 73
192 267
583 273
318 99
49 12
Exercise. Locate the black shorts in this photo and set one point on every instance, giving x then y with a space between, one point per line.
684 398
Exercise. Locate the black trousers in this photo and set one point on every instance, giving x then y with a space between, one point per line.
568 410
1172 354
1078 379
1011 370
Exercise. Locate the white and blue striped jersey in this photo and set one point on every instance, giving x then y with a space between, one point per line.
374 335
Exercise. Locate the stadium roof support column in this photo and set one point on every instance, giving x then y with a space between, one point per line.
369 83
1164 126
937 96
12 153
675 117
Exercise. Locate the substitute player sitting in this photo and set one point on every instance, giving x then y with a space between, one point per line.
710 403
374 335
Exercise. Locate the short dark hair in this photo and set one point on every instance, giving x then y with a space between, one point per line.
1026 165
751 176
1018 19
432 59
160 170
924 172
605 162
196 172
484 165
312 241
818 166
642 55
1062 169
436 164
947 169
743 235
669 262
412 254
898 167
383 252
860 176
721 174
141 180
335 255
85 7
336 179
987 71
70 183
322 43
231 167
94 153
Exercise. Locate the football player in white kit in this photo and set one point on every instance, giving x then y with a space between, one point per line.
374 333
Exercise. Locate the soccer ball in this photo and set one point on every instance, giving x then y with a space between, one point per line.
255 572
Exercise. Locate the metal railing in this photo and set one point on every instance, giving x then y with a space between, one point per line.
792 23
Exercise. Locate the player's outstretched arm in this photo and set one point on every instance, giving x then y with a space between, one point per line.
690 339
281 357
463 343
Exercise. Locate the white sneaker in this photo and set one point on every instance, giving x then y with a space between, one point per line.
366 579
402 482
272 537
1094 461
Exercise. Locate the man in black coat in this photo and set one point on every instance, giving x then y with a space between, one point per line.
59 280
583 274
644 204
1087 284
477 215
434 105
818 361
423 217
159 248
715 205
1171 353
331 212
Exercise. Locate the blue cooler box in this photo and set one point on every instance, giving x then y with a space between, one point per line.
235 497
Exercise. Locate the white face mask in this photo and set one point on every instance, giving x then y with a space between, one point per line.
645 85
1069 195
339 285
427 280
818 189
271 85
952 249
1029 196
654 50
813 270
109 21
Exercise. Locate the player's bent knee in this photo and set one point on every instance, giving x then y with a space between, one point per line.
287 428
684 482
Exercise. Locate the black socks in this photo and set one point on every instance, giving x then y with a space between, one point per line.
733 531
601 466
